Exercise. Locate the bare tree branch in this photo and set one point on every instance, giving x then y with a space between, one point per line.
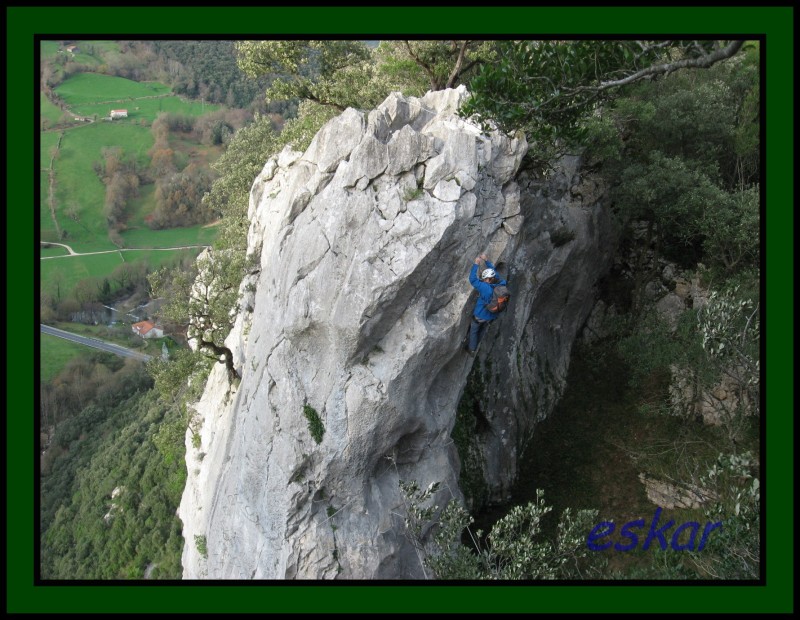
702 62
428 71
457 68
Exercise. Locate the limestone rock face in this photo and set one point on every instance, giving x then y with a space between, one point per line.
355 323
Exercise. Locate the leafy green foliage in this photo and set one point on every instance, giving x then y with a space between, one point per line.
413 67
89 531
682 153
548 88
515 549
201 544
315 426
734 551
330 72
243 159
207 295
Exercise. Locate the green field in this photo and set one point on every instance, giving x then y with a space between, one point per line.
88 88
86 59
48 140
80 192
79 189
147 109
53 250
68 271
48 230
169 237
49 48
90 53
56 353
48 110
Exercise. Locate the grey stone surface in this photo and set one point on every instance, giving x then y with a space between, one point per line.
358 312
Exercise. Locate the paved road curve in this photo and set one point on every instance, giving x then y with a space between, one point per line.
93 342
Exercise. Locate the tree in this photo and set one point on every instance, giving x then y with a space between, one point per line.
208 297
548 87
179 198
237 167
331 72
438 64
162 162
682 153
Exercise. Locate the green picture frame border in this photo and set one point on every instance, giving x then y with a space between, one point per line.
26 23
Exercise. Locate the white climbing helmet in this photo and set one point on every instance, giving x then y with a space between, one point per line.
488 273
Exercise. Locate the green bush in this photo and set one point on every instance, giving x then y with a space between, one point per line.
315 426
200 543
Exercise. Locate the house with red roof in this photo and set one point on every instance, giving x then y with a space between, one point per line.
147 329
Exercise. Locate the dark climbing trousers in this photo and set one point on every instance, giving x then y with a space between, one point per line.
476 330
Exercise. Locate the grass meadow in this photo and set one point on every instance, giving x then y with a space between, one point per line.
146 109
47 227
56 354
53 250
80 191
90 88
49 49
169 237
48 141
64 273
49 110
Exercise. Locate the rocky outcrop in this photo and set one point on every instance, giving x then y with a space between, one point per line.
670 495
348 341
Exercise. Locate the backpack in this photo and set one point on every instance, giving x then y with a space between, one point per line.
500 298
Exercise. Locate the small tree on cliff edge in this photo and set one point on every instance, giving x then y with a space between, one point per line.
207 295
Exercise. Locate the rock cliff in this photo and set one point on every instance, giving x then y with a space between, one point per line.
348 341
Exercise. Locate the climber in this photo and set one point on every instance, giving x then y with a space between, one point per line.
493 298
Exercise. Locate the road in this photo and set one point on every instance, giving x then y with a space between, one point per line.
94 342
73 253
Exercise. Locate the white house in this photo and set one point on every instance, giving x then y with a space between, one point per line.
119 114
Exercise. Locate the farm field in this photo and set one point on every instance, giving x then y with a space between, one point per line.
56 354
47 228
49 110
88 88
79 190
53 250
80 194
68 271
47 142
169 237
146 109
49 49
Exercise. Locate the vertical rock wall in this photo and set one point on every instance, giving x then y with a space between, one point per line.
354 325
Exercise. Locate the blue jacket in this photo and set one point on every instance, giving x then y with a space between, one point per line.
485 291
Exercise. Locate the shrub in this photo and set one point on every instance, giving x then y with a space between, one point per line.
315 426
200 543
